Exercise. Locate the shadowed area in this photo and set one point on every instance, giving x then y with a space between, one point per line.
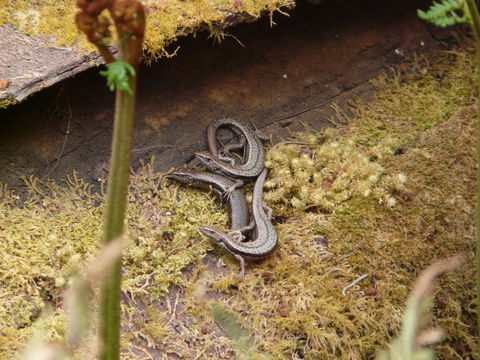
278 77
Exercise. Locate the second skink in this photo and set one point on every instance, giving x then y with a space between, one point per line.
237 203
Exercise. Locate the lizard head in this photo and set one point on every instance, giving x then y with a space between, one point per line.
206 159
181 175
216 235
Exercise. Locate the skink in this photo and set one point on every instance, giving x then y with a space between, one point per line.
224 153
265 240
237 203
254 153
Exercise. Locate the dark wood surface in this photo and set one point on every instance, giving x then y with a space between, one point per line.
279 78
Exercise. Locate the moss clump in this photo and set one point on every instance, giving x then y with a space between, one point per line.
397 192
167 19
326 179
6 103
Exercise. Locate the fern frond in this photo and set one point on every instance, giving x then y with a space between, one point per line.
445 13
117 75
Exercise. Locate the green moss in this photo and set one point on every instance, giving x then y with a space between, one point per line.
383 211
50 237
362 206
167 19
6 103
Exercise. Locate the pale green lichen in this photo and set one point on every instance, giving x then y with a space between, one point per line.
390 215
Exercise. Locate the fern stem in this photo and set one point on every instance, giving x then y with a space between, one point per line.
109 326
475 24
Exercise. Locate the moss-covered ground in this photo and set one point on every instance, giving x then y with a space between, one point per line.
385 195
167 19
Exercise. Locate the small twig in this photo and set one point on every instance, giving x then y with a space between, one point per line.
78 146
52 113
235 38
353 283
156 146
67 132
174 310
323 103
319 105
355 248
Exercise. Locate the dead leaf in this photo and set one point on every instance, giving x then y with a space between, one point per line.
4 83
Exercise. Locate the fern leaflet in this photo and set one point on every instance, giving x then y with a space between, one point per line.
445 13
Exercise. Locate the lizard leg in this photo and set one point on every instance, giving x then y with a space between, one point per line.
268 211
248 227
237 145
231 189
261 135
219 199
225 153
232 159
241 275
236 235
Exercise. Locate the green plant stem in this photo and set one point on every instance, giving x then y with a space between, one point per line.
475 24
115 216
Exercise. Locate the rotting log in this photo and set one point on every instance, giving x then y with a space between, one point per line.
31 62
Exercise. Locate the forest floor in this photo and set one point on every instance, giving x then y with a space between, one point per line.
386 192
